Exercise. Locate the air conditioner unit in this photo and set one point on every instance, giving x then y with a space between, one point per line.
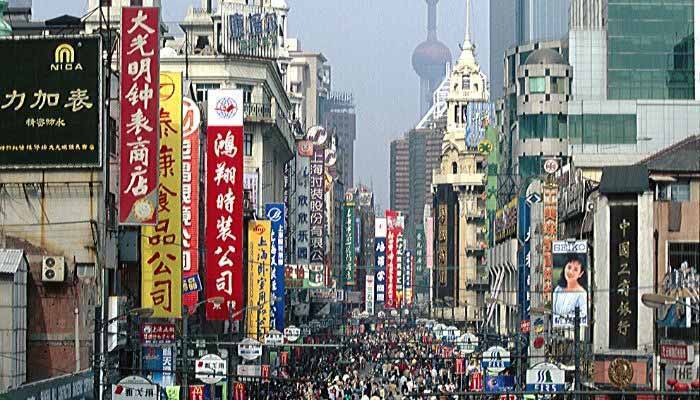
53 269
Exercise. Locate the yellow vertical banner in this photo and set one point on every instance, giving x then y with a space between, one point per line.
259 279
161 245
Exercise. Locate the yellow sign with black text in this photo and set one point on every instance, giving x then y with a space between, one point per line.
259 279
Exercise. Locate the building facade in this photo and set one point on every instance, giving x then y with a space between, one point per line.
399 195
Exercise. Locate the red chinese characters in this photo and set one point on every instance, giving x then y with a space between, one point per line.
224 219
191 119
391 242
138 184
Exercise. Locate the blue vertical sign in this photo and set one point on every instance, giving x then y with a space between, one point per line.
524 260
275 213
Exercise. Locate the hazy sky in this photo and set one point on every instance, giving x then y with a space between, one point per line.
369 44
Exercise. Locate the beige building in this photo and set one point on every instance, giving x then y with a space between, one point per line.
458 184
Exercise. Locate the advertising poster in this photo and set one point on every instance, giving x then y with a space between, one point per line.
401 264
191 285
159 365
623 277
259 278
571 283
224 204
139 82
349 243
317 209
50 105
380 260
390 300
524 261
275 213
161 251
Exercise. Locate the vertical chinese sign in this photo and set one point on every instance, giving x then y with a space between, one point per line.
348 250
305 151
523 227
224 204
623 277
420 262
317 215
442 245
380 260
400 262
259 276
390 300
408 277
549 234
429 254
276 214
369 294
161 252
191 285
138 172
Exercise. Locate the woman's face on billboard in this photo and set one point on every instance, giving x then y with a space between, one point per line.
573 271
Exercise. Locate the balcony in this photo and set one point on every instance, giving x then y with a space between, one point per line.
257 112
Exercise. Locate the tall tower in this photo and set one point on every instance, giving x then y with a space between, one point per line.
429 60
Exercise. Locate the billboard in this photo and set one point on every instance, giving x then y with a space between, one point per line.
420 265
390 300
550 200
524 259
380 260
571 287
161 253
259 277
401 262
224 203
623 277
191 285
50 103
139 81
348 234
275 213
250 30
317 209
159 365
369 294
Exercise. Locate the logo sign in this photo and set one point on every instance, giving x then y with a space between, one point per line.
249 349
551 165
50 103
305 148
275 213
545 377
317 135
134 388
274 338
140 87
210 369
197 392
673 353
292 333
495 359
157 334
467 343
224 204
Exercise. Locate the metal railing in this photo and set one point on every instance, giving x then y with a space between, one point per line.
257 111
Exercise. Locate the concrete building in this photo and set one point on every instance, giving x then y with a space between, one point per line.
13 318
458 183
399 195
429 60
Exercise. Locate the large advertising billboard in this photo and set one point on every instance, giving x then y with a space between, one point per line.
224 204
191 284
380 260
275 213
348 234
390 300
161 258
139 82
317 207
571 283
50 102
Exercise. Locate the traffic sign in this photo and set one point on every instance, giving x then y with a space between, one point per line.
534 198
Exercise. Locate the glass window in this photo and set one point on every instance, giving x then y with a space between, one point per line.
201 90
247 93
136 3
537 85
465 82
248 144
678 253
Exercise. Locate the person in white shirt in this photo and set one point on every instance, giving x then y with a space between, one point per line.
571 290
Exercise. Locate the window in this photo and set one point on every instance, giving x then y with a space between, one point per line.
248 144
675 191
537 85
137 3
247 93
465 82
680 252
202 88
106 3
454 167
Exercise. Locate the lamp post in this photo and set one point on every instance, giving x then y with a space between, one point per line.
217 301
98 365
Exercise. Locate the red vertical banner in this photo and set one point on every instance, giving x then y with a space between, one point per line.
139 83
224 205
390 300
191 286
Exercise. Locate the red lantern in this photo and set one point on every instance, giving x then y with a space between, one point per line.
671 382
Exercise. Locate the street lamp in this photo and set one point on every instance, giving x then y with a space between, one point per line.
655 300
217 301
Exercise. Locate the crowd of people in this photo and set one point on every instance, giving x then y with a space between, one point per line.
396 362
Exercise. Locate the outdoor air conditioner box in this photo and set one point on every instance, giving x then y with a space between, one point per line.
53 269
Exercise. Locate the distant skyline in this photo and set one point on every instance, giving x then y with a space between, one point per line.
368 44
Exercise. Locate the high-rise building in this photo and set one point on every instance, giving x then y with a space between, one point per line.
399 181
429 60
502 35
424 146
340 119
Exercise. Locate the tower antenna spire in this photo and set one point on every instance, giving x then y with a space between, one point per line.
467 36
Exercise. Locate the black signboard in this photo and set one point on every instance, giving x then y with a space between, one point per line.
50 102
78 386
623 277
446 220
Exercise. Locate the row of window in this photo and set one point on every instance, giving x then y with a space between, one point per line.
581 129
